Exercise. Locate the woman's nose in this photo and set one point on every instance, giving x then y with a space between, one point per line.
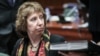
40 22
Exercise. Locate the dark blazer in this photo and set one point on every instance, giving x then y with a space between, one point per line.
7 19
53 39
94 19
8 15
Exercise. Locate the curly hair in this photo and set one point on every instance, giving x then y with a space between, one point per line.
24 11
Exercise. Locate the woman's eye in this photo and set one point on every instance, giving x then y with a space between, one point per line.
33 19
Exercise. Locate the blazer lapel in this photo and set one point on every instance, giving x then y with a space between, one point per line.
46 52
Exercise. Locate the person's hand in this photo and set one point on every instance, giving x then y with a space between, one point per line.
73 53
98 43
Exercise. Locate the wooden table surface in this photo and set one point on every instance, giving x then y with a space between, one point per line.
69 31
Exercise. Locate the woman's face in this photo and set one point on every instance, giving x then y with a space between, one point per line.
35 23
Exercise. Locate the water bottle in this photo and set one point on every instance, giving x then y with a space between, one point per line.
76 17
47 12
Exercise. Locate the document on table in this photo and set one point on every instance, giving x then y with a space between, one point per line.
71 45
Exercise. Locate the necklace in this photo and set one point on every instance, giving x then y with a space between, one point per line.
35 47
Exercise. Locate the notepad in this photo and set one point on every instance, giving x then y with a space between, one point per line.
71 45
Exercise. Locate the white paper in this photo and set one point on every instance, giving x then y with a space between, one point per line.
72 45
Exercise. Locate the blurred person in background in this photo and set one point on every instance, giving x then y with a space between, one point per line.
92 9
8 37
94 20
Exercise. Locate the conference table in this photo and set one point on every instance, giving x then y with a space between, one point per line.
70 31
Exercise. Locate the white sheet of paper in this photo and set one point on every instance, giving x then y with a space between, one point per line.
72 45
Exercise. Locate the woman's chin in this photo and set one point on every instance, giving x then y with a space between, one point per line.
39 33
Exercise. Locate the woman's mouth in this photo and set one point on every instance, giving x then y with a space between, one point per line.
40 30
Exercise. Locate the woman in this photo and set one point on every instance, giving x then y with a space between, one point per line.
30 25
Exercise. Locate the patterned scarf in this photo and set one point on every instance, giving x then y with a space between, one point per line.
22 51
